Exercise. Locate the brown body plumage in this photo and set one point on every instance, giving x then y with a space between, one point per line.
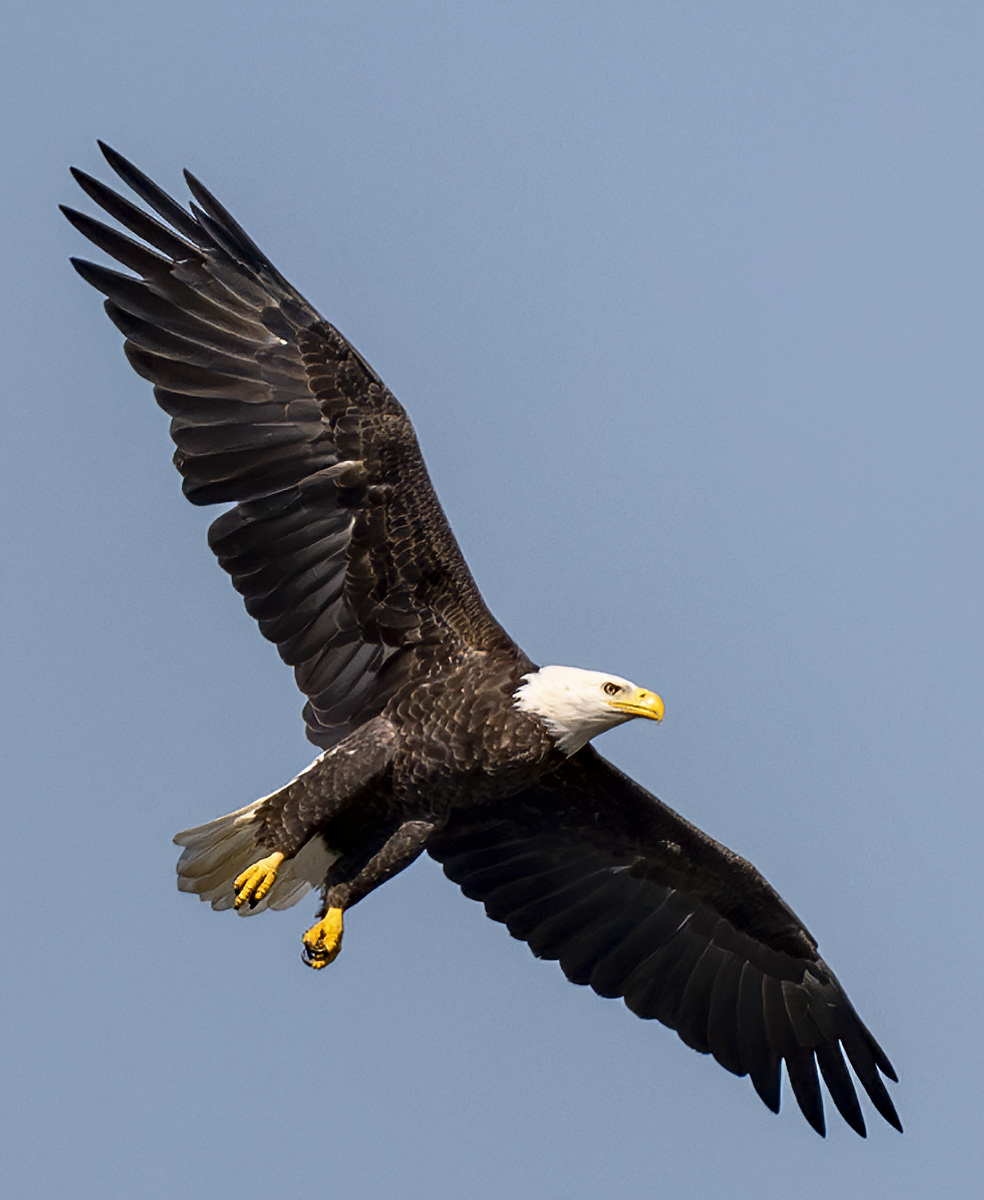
437 732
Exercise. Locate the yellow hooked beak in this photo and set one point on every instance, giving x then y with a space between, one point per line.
640 704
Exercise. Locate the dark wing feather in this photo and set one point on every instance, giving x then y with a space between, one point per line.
337 541
591 870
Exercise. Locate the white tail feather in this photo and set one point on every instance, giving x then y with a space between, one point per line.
216 853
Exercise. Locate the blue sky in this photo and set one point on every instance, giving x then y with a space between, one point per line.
685 302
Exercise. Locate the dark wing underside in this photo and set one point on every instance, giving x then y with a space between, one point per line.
591 870
337 541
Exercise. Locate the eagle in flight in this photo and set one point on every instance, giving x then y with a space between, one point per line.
436 731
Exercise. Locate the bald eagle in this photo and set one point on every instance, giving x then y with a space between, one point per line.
437 732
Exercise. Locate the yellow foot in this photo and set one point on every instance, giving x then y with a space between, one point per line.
257 880
323 941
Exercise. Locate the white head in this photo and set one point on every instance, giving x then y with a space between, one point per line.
577 705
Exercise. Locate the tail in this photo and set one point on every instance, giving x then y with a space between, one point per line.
216 853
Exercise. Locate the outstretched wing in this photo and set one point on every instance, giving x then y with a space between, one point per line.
592 870
337 541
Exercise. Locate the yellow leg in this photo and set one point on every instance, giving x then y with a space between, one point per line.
257 880
323 941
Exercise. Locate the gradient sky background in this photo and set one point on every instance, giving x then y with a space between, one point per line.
686 303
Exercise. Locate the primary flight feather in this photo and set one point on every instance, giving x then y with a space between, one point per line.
438 733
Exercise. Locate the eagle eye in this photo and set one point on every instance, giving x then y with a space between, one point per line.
610 689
